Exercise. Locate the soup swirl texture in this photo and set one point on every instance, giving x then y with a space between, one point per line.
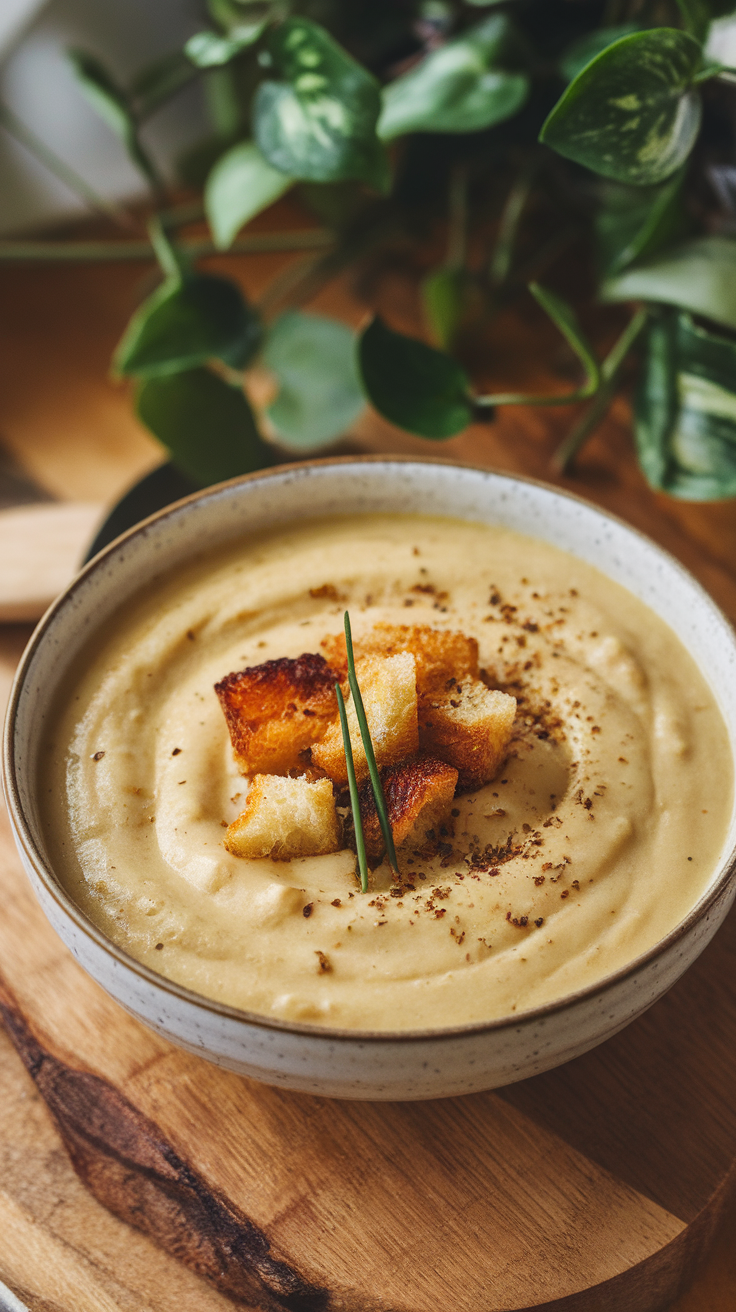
597 836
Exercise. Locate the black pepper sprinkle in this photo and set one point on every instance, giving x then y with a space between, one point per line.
176 751
159 947
97 756
307 910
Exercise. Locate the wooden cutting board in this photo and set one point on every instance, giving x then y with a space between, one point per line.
593 1188
41 548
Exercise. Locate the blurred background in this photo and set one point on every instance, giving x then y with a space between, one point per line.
37 84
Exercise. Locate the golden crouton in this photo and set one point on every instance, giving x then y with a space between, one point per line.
286 818
276 710
469 727
439 655
389 691
418 797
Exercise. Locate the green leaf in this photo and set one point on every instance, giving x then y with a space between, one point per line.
442 295
699 275
413 385
185 323
212 50
632 113
241 184
461 87
102 92
708 71
205 424
655 408
111 103
318 123
685 410
320 394
227 97
633 222
579 55
231 15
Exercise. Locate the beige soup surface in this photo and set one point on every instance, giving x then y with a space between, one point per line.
600 832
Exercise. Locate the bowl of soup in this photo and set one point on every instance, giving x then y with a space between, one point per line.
567 892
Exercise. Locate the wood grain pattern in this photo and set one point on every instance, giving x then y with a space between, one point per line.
58 1248
593 1188
41 547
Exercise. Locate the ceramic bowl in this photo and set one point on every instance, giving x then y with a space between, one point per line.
313 1059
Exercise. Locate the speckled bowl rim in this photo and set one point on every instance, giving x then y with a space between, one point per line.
55 889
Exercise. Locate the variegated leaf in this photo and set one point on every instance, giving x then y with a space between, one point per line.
633 113
685 413
317 121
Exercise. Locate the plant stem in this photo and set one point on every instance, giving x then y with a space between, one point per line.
509 225
564 320
370 755
353 786
70 178
94 252
146 166
170 260
610 369
583 429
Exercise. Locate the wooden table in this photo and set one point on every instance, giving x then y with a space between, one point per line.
73 430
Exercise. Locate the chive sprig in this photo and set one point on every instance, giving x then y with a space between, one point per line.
353 786
370 755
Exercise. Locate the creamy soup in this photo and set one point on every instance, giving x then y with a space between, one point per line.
597 836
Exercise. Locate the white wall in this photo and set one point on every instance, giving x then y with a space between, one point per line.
38 86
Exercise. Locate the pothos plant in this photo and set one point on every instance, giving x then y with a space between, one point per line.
529 123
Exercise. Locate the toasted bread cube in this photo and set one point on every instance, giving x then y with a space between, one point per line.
469 727
286 818
389 691
418 797
276 710
439 655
